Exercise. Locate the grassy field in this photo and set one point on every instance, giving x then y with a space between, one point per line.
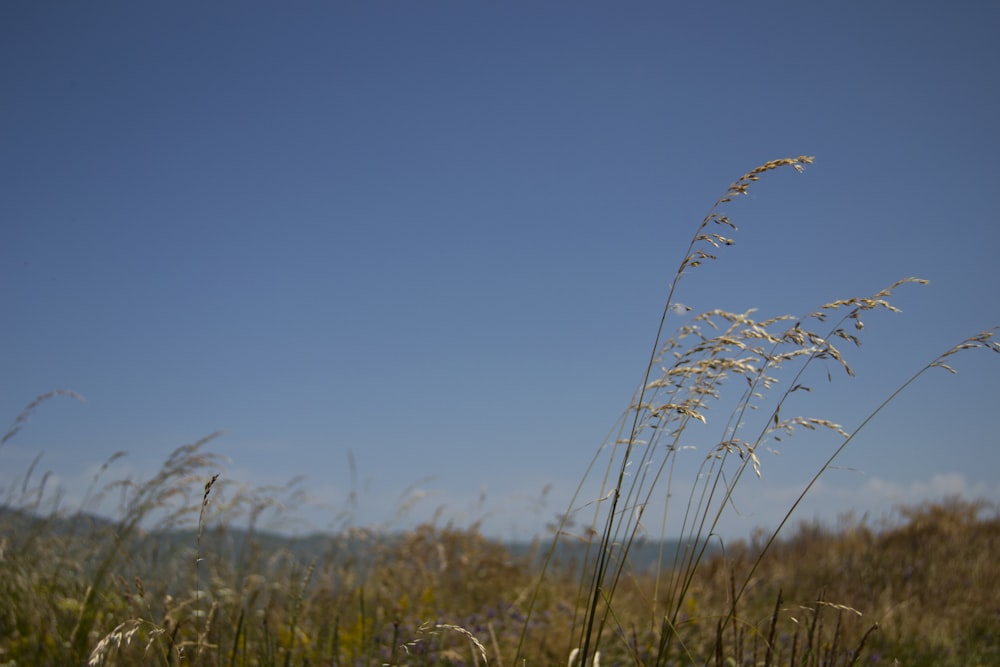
179 576
919 590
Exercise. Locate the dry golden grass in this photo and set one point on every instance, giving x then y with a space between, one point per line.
421 597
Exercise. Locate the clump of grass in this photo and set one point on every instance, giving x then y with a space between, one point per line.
685 375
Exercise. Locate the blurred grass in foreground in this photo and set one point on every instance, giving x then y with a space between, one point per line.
927 579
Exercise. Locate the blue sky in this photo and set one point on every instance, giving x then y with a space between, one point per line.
437 236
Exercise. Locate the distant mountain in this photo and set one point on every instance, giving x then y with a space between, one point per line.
166 548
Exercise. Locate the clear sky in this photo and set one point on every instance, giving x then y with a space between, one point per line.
437 236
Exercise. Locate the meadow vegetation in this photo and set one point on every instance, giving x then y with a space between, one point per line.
181 576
